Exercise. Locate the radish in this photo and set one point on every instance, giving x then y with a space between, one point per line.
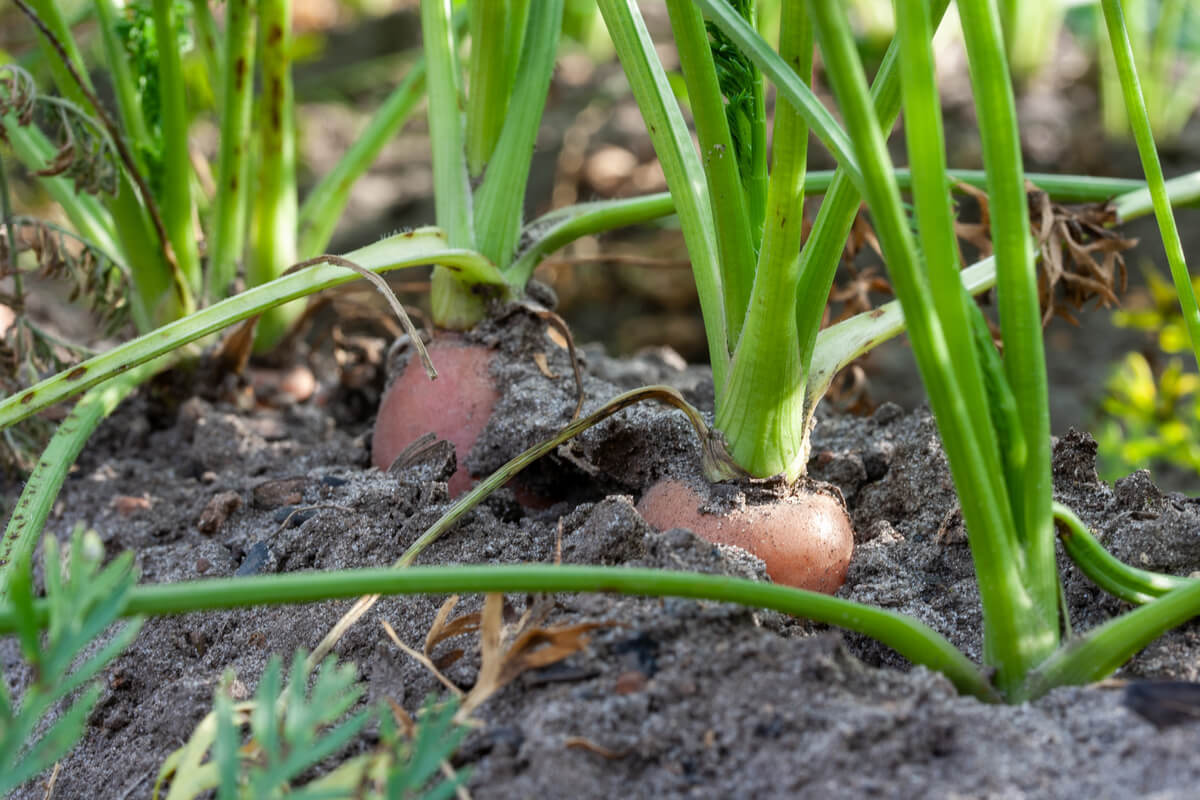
455 407
805 539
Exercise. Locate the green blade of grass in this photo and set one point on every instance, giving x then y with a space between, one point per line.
909 637
415 248
1136 586
41 488
324 205
1135 107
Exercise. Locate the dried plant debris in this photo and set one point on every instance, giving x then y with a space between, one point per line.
1081 253
1071 238
505 651
84 152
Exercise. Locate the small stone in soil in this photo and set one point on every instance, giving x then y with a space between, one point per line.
217 511
282 492
257 559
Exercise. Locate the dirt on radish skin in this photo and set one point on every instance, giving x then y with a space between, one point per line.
455 407
805 539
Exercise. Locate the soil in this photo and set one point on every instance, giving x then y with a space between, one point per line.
677 698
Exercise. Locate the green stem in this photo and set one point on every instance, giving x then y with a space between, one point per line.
1012 633
454 306
762 415
1135 107
1138 202
237 93
1020 314
909 637
1127 583
41 489
499 202
560 227
273 237
497 32
208 41
324 205
681 166
415 248
177 210
1104 649
731 223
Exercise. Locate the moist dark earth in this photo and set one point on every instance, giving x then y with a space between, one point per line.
671 698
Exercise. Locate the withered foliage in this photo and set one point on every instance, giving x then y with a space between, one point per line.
506 650
27 352
1082 255
84 152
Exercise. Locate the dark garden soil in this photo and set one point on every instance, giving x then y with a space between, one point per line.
677 698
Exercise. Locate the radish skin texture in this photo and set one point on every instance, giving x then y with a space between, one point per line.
806 541
455 407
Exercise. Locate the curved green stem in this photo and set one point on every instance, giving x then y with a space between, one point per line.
911 638
1137 586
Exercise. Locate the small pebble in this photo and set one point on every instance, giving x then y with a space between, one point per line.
256 560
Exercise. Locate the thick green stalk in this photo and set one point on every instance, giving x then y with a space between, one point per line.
735 247
1013 634
1135 107
411 249
909 637
323 207
454 306
681 166
1020 313
273 235
227 240
41 489
499 202
208 41
497 28
762 415
176 202
935 217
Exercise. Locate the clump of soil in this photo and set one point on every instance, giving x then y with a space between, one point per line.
678 698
